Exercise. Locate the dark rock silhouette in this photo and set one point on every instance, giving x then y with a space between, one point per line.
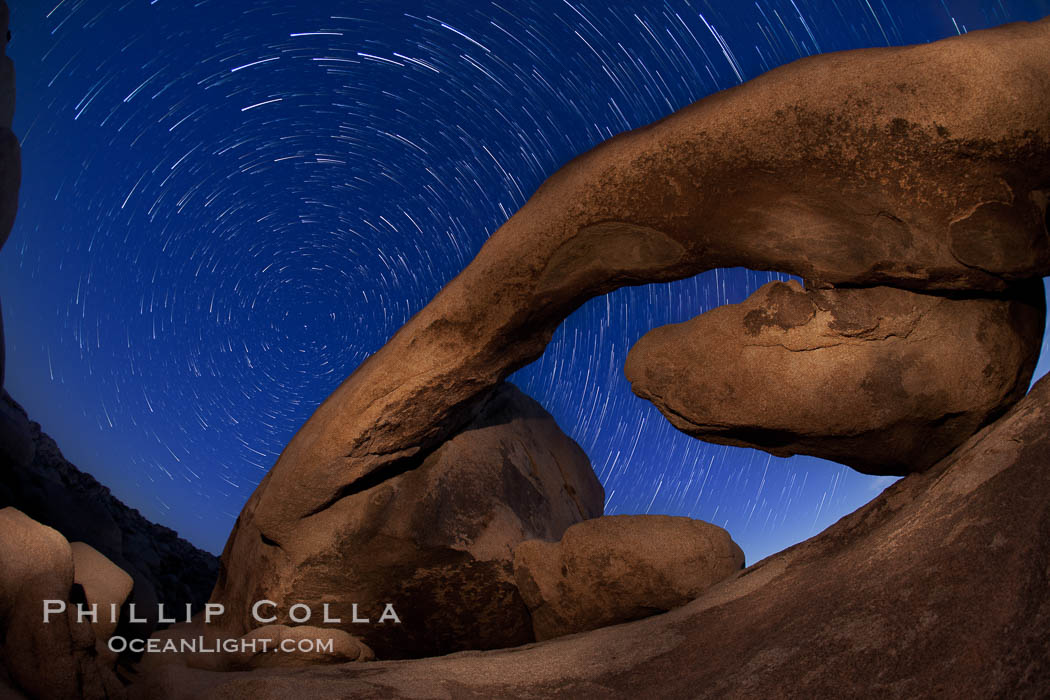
885 380
50 490
10 181
10 151
433 537
16 439
620 568
923 167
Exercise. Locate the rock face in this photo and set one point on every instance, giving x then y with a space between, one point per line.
52 491
433 537
620 568
937 588
105 585
56 660
344 648
269 646
885 380
924 167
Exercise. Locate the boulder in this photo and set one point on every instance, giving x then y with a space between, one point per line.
884 380
37 566
619 568
106 586
923 167
433 537
55 659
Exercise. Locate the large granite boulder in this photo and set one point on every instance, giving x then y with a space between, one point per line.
619 568
885 380
433 537
106 586
924 167
54 659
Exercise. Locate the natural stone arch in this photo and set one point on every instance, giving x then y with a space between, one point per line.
852 169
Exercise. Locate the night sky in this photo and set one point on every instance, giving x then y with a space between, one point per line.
227 205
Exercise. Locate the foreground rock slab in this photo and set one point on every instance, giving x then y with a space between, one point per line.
197 645
937 588
620 568
434 538
884 380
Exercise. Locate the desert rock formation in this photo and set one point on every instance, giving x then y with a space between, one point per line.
57 660
433 537
415 480
885 380
106 585
850 169
620 568
937 588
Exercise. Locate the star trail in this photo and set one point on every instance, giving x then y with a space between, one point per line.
227 205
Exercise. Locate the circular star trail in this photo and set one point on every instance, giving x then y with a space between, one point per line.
228 205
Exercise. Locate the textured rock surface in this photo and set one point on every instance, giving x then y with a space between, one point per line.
937 588
344 647
885 380
620 568
54 660
54 492
106 586
920 167
434 538
253 650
